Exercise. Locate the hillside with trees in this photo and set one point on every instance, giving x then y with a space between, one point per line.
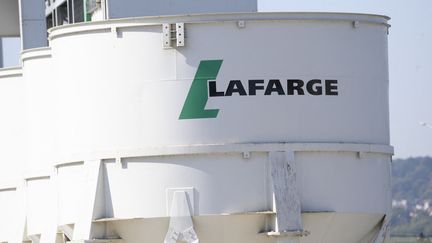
412 196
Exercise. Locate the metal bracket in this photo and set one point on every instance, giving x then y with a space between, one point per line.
356 24
171 34
241 24
180 34
166 31
190 191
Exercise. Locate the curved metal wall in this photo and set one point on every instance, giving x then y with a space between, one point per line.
13 140
122 91
41 123
40 101
13 143
129 93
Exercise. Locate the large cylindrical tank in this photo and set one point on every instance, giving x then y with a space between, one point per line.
128 84
40 103
203 111
13 138
13 149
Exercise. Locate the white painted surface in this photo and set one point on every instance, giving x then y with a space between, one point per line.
342 182
71 189
50 225
126 110
138 104
8 211
136 187
13 130
40 100
217 183
41 206
87 205
38 205
139 190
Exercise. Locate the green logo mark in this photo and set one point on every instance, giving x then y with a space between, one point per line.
196 100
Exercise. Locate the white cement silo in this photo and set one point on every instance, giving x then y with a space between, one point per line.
127 147
39 169
13 143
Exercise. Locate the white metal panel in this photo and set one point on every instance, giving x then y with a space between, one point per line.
342 182
9 18
40 122
139 189
138 103
138 8
71 186
38 204
12 124
40 100
9 207
329 181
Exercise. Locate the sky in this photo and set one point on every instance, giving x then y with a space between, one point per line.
410 60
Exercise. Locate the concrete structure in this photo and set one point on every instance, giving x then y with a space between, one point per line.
246 127
1 53
138 8
32 24
9 18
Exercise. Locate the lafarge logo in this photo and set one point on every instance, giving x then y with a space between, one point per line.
204 86
196 100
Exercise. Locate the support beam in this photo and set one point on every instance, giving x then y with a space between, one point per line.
93 205
20 222
32 24
383 234
49 234
286 196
